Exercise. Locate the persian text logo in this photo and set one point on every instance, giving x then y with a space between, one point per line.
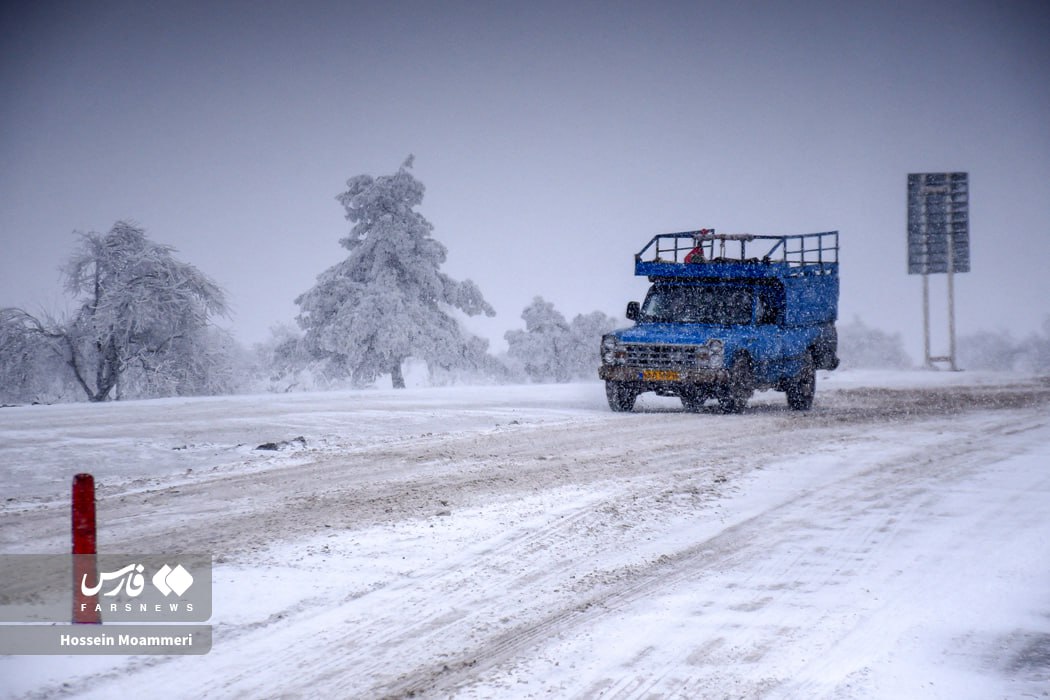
131 581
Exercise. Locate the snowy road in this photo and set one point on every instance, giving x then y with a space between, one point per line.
527 542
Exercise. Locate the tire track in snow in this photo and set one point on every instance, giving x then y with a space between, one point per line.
630 460
742 559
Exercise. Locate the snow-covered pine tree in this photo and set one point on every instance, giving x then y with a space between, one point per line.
388 300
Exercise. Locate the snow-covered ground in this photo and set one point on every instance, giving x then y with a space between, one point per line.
525 541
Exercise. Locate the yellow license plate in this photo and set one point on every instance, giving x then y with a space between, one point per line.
659 375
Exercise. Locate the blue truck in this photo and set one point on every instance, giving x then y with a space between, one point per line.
726 315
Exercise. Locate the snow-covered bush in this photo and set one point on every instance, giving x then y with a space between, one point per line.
988 351
553 350
32 370
861 346
1033 354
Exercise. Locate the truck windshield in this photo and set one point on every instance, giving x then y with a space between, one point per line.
718 305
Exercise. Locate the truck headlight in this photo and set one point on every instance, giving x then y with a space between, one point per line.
711 355
613 352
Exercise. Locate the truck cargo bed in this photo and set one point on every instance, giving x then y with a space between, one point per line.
705 254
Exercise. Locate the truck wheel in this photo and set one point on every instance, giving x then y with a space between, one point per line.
621 396
825 352
803 386
693 404
733 398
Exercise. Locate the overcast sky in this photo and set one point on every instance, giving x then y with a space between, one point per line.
553 138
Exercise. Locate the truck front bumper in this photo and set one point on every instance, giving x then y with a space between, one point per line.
620 373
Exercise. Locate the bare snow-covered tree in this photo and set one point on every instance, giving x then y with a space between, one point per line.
388 300
141 311
204 362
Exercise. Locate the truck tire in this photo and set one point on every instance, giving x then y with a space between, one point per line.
825 351
621 396
733 397
693 403
801 388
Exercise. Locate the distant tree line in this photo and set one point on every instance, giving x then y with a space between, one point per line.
861 346
1001 351
143 322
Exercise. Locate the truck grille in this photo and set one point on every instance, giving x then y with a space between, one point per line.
661 355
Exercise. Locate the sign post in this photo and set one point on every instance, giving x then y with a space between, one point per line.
938 242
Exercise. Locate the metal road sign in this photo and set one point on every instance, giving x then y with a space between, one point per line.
938 223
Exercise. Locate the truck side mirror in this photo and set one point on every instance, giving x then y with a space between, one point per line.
632 310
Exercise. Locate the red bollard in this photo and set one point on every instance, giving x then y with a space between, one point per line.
84 542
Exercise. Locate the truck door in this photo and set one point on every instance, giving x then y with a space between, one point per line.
768 341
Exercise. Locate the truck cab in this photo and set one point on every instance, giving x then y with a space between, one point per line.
727 315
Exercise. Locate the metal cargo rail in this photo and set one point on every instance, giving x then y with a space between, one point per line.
705 253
